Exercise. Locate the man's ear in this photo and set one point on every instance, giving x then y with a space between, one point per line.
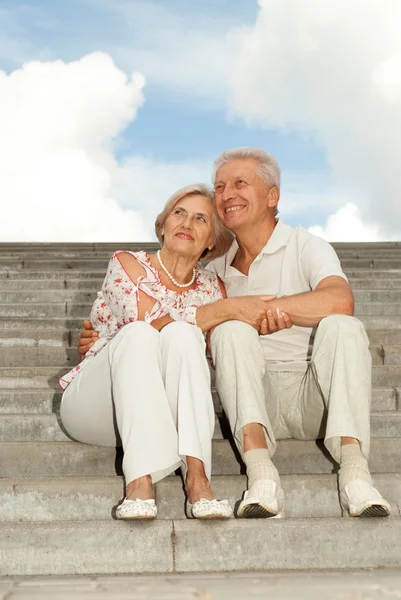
274 196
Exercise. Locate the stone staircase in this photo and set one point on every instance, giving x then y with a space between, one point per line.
57 496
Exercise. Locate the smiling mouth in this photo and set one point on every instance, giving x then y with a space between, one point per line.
185 236
233 208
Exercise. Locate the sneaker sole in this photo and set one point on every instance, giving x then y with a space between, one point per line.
372 510
376 510
212 518
256 511
136 518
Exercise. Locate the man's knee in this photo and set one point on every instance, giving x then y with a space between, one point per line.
234 331
342 324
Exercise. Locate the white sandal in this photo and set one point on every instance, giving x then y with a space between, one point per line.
209 509
132 510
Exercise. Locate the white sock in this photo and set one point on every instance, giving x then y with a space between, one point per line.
353 466
259 466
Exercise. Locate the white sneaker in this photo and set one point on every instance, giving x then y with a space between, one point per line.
209 509
132 510
360 499
264 499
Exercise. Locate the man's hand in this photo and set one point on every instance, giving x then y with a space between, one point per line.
86 338
258 312
276 320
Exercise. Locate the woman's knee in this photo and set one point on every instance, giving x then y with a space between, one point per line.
181 333
138 329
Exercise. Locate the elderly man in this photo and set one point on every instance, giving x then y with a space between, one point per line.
295 364
309 381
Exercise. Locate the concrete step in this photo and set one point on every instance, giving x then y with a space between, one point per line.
49 428
8 273
376 309
33 335
385 296
48 296
39 401
386 274
83 498
25 324
61 275
38 338
66 459
374 284
87 250
391 337
82 250
96 547
52 296
14 357
100 262
384 355
370 263
21 355
50 285
47 377
61 324
82 310
93 285
47 401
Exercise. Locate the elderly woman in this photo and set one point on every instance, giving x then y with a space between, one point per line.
146 380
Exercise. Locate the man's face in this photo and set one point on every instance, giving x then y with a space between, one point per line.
242 197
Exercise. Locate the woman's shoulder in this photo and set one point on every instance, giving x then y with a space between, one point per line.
133 263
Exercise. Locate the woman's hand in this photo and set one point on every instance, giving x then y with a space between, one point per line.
255 311
275 320
86 338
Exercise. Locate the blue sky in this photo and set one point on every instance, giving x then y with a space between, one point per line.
201 97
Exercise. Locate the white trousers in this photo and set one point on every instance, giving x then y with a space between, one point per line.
150 392
330 400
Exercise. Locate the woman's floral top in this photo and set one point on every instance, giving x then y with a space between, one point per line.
117 302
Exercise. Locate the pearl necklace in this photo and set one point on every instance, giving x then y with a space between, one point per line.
169 275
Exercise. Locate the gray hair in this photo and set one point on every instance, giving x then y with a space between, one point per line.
222 236
269 168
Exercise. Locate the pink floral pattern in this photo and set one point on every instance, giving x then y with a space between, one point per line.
117 302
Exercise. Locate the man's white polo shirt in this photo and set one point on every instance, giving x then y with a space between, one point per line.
293 261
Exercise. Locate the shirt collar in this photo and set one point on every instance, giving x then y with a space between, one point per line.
278 239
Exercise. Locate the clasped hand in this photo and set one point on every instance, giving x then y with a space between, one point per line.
258 312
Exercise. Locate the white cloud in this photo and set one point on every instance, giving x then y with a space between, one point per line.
144 184
347 225
331 69
59 124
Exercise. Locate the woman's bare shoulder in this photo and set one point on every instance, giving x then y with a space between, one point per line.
130 264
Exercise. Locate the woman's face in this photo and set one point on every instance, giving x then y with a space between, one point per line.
189 228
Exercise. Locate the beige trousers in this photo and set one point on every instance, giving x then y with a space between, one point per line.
331 399
149 391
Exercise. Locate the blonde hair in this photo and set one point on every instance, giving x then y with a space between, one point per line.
222 236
